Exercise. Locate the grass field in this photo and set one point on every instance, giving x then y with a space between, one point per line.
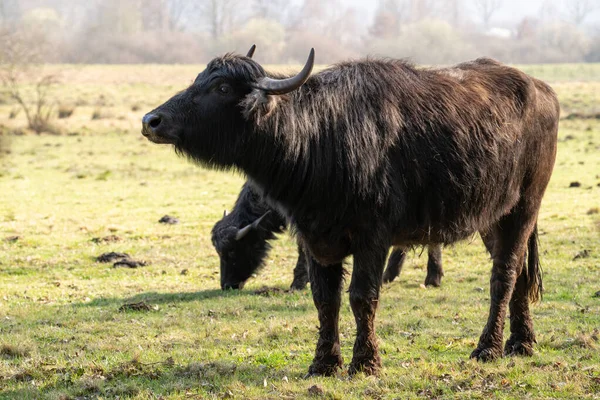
101 186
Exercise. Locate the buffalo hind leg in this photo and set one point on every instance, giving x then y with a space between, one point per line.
300 272
511 236
364 298
326 285
528 286
434 265
394 265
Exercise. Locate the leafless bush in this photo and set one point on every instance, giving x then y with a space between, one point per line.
18 67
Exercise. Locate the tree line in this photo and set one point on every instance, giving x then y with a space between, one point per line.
188 31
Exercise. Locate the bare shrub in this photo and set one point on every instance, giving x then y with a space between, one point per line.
19 66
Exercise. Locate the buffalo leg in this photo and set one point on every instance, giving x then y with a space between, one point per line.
364 298
300 272
529 285
326 285
394 265
434 265
511 236
522 337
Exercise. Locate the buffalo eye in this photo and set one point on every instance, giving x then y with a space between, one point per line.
224 88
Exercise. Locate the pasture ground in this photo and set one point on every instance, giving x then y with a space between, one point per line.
100 187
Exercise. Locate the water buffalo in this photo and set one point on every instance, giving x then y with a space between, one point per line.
242 237
372 153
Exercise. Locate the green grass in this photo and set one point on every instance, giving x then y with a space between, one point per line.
62 335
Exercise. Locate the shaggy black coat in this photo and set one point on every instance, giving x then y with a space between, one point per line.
374 153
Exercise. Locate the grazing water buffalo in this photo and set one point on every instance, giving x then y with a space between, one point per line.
373 153
242 237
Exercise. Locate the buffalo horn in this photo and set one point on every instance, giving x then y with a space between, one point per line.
251 51
245 230
283 86
224 213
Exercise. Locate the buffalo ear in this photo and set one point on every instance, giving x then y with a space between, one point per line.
251 51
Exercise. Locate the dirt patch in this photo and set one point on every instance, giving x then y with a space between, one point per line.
167 219
585 253
107 239
315 390
592 211
12 351
111 256
139 306
120 260
269 291
12 239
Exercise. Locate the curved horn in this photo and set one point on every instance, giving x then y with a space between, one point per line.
224 213
245 230
283 86
251 51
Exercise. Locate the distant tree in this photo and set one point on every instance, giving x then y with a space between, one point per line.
388 18
486 9
270 9
578 10
220 15
526 29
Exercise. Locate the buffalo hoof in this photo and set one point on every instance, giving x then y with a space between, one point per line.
433 280
298 286
370 366
387 278
517 347
325 367
486 354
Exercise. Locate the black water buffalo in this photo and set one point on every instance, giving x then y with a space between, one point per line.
373 153
242 237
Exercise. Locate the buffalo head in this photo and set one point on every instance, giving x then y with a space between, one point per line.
241 250
207 120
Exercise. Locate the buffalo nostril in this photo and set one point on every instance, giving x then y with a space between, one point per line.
151 120
155 122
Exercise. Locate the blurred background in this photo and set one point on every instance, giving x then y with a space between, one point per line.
194 31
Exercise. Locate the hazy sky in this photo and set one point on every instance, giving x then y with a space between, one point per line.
511 10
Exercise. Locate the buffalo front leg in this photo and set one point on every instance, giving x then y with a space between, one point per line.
394 265
364 299
434 265
300 271
326 285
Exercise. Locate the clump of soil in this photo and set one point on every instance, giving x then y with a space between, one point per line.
582 254
268 291
107 239
111 256
575 184
167 219
139 306
12 351
120 260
